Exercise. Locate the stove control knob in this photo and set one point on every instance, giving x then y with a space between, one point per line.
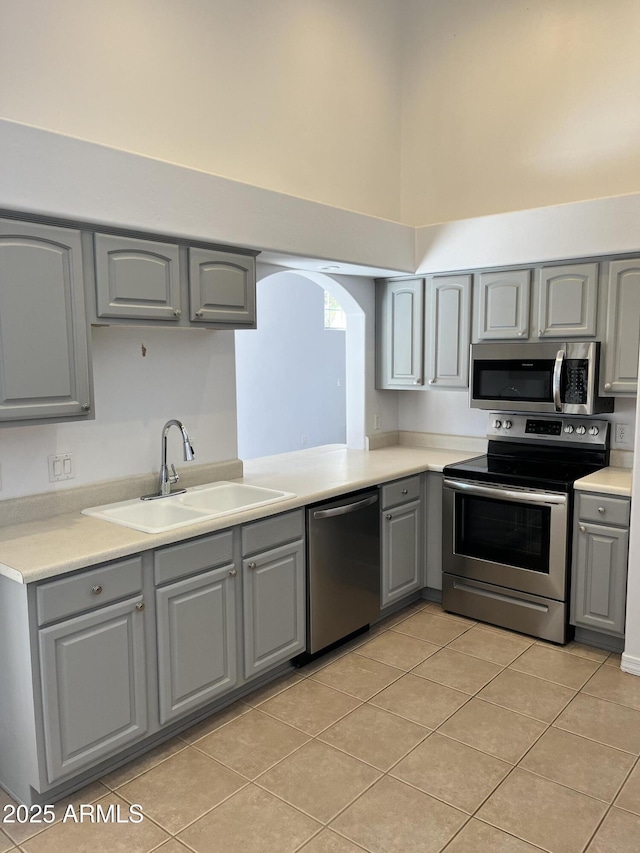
497 424
568 429
581 430
593 430
506 424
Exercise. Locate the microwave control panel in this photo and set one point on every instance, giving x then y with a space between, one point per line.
576 381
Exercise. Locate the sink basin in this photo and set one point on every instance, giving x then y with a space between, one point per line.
200 503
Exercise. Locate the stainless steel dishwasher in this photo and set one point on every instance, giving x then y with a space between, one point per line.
343 568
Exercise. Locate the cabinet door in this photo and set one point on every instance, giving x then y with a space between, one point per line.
93 677
599 580
567 301
274 607
620 374
196 641
503 305
137 279
222 288
447 330
399 333
43 329
402 571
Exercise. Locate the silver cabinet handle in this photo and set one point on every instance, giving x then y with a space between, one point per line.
252 566
405 491
601 509
582 528
140 606
607 386
417 381
97 589
432 381
233 573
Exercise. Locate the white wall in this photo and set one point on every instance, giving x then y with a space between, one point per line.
290 372
300 96
188 375
513 104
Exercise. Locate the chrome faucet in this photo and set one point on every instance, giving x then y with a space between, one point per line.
168 479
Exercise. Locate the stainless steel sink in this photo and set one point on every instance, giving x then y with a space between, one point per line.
201 503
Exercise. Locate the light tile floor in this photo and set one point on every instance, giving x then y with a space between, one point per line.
431 733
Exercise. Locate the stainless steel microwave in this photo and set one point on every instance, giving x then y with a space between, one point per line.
537 377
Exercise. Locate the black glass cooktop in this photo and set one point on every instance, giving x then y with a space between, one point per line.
552 471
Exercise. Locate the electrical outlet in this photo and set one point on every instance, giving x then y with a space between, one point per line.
61 467
303 439
376 420
623 436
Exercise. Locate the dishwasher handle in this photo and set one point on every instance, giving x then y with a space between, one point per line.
345 508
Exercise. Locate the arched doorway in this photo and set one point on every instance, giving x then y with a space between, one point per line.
299 385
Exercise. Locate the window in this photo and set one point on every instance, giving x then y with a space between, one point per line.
334 316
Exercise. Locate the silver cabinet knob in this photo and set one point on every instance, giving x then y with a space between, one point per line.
607 386
177 313
405 491
140 606
582 528
520 334
233 573
86 407
199 313
601 510
541 332
432 381
97 589
388 516
253 566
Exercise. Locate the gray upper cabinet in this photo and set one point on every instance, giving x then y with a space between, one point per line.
400 333
136 278
222 288
567 301
502 305
620 367
448 324
43 333
93 679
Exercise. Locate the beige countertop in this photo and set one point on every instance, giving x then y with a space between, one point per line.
36 550
608 481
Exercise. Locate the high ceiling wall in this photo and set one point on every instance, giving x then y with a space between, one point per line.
418 111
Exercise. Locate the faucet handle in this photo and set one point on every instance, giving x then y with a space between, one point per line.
173 477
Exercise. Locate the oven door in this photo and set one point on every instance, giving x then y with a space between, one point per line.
508 537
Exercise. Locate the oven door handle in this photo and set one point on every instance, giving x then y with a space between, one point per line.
498 492
557 378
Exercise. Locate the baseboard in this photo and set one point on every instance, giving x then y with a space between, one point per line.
630 663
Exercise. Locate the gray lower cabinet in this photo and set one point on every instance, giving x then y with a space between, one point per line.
274 601
401 536
93 680
433 544
448 327
620 364
567 301
196 583
196 625
599 571
400 333
43 334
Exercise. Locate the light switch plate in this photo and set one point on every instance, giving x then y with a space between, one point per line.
61 467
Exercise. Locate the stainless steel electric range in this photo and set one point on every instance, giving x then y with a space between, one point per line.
507 520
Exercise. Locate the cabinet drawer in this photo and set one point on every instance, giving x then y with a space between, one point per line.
271 532
401 491
88 590
187 558
604 509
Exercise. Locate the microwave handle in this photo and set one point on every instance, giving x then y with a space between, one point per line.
557 377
